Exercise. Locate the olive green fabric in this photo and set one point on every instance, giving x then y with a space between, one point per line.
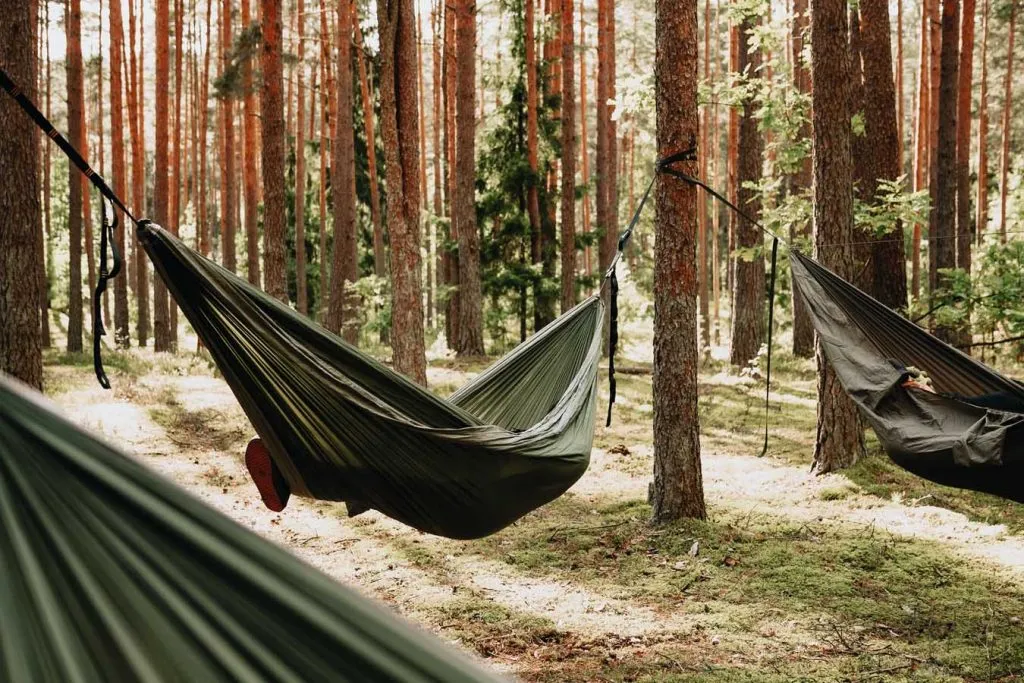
344 427
111 573
941 436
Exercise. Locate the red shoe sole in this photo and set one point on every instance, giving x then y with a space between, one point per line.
261 469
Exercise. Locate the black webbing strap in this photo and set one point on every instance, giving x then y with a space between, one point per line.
771 324
107 242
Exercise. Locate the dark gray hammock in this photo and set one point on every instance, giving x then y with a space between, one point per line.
343 427
954 436
111 573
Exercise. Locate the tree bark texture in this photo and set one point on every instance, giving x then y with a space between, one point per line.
803 331
568 233
942 240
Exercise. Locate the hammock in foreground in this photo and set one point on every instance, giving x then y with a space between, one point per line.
112 573
967 433
340 426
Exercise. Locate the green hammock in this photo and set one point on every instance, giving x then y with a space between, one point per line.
111 573
343 427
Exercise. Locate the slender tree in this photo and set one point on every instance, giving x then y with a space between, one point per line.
899 81
344 270
47 75
452 327
921 131
227 149
584 141
568 158
399 133
934 81
301 296
982 221
838 434
471 326
532 135
76 135
161 175
748 326
20 353
964 229
118 163
136 116
605 247
942 243
889 270
379 263
250 153
677 490
803 331
176 177
1004 161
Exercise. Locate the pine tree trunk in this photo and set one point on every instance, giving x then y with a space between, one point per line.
921 143
942 240
611 130
532 98
889 271
136 115
731 165
90 256
436 233
76 136
982 220
584 142
702 199
471 326
161 164
122 335
964 229
1004 162
568 235
838 434
935 48
20 353
716 269
748 324
379 262
452 327
677 490
606 246
326 97
204 128
273 124
227 128
399 136
803 331
250 185
176 177
343 306
301 295
899 83
46 342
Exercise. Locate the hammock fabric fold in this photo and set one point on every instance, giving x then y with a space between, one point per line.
947 436
112 573
343 427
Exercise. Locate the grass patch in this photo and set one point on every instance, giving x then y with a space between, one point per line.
877 475
866 593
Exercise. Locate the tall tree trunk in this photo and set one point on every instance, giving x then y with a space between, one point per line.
379 262
452 327
716 270
136 116
889 270
1004 161
899 83
803 331
921 131
122 335
250 133
838 434
46 342
532 135
471 326
399 133
76 136
568 158
437 238
342 311
326 98
20 352
982 221
611 197
301 295
942 242
204 128
584 141
935 48
227 127
272 161
748 308
161 164
964 229
702 199
677 490
731 164
176 177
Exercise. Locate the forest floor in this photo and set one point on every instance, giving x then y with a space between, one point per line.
870 575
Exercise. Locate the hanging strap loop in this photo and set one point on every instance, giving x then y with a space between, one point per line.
108 243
